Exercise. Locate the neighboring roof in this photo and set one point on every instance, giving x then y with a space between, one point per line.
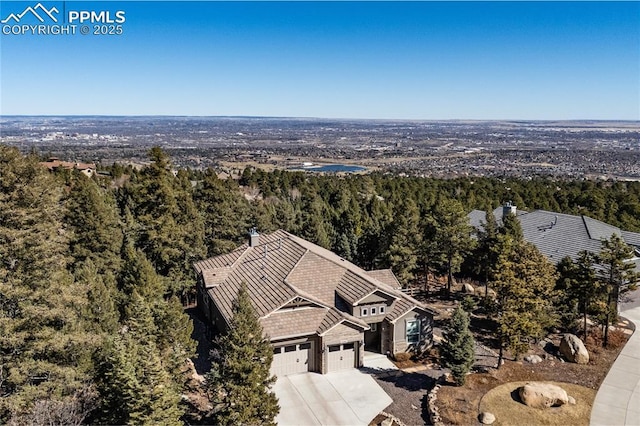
54 163
282 267
558 235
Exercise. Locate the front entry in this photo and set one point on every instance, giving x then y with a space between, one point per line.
372 338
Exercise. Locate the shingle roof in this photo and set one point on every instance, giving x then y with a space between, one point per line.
297 322
282 267
385 276
558 235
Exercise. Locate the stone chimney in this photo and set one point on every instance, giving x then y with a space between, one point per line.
509 208
254 237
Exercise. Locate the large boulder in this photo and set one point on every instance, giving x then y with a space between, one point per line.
542 395
468 288
573 349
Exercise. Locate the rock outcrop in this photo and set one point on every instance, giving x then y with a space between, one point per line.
542 395
573 349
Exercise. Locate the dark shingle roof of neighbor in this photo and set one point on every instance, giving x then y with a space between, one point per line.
558 235
283 267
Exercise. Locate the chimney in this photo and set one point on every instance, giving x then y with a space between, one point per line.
509 208
254 237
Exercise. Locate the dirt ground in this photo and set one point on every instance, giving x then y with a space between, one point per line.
459 405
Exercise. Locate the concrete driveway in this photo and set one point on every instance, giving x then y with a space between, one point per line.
347 397
618 399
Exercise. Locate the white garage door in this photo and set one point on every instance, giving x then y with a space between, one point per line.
341 356
292 359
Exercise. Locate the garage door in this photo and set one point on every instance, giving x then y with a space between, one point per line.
341 357
292 359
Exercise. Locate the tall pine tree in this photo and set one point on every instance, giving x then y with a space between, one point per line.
239 381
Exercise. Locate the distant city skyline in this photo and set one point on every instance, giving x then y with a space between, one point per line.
345 60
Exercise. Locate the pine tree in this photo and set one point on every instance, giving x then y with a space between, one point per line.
452 236
92 216
458 346
487 239
580 286
171 229
239 382
524 281
618 274
404 241
44 345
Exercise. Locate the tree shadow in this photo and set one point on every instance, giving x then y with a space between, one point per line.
413 382
201 361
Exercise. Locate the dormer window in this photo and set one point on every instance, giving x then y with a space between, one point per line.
364 312
381 310
374 311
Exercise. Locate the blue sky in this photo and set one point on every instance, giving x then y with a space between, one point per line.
413 60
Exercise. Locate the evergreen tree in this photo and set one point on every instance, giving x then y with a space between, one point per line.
452 236
135 387
92 216
618 274
458 346
44 345
524 280
171 229
404 241
239 382
580 286
485 254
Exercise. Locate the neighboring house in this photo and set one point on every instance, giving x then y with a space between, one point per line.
320 311
88 169
558 235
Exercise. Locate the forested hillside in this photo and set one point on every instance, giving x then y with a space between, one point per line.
94 273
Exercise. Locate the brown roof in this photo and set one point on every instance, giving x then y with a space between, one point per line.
282 267
385 276
296 322
54 163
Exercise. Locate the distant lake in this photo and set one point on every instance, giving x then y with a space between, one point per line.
332 168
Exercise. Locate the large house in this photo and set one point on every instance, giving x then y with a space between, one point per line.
319 311
558 235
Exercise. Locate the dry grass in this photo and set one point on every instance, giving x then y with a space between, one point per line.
459 405
504 403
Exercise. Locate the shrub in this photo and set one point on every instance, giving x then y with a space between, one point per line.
402 356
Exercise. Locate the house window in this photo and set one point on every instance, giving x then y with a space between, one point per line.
374 326
364 312
374 311
381 310
413 331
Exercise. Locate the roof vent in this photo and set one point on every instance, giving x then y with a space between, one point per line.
254 237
